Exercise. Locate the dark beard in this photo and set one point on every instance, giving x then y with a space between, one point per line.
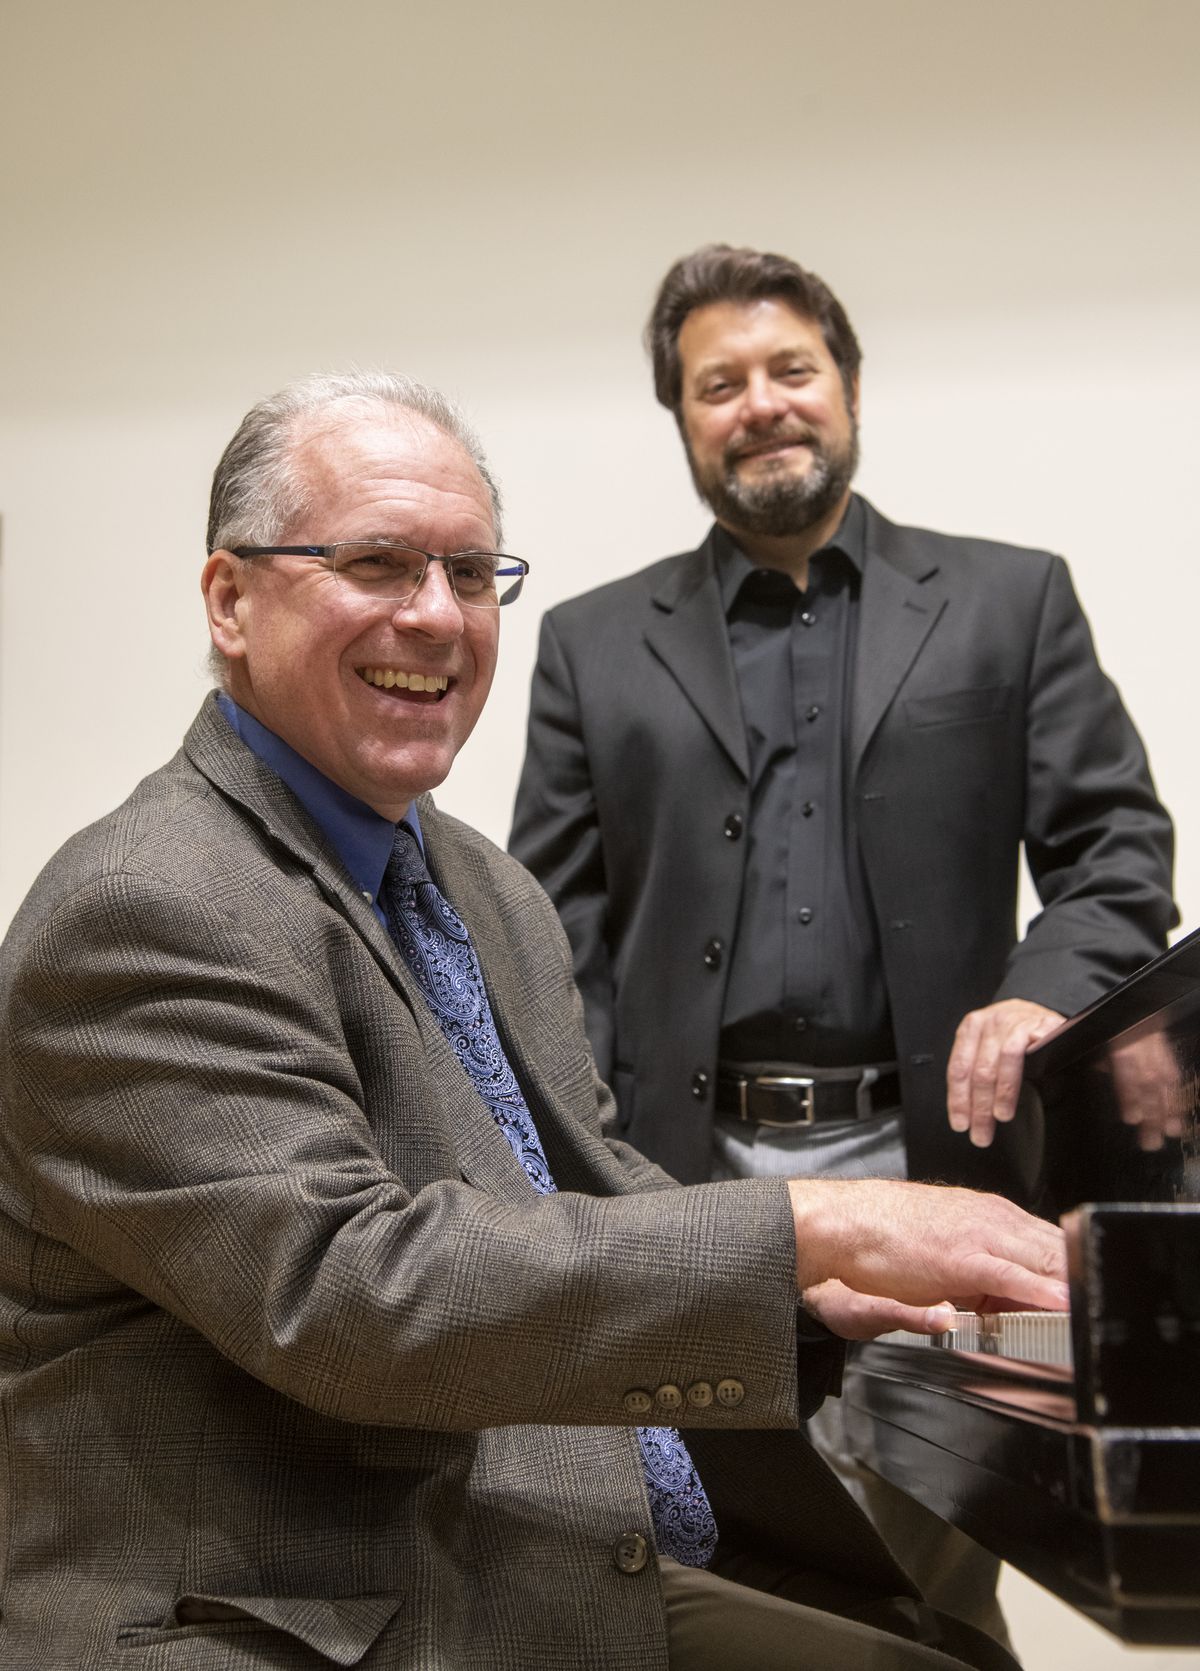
785 505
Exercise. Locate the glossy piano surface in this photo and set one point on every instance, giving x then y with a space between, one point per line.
1118 1088
1083 1471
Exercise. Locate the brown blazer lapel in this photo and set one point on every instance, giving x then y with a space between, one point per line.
532 1016
902 600
688 635
484 1155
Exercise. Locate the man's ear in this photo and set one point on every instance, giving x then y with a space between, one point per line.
855 391
223 583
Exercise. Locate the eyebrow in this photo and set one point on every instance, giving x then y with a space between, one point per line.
798 351
407 543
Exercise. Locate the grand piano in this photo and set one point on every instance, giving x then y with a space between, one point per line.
1070 1446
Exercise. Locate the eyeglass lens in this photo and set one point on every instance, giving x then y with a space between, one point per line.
481 578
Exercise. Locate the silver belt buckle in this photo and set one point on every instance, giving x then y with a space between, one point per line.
808 1113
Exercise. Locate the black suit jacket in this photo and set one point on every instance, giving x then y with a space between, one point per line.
980 719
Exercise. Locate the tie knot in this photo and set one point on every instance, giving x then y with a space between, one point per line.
406 866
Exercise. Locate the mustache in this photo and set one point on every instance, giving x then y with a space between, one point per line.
784 435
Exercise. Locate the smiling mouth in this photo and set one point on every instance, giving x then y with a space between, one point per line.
765 449
425 687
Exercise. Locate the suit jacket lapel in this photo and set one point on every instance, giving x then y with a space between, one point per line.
688 635
528 1032
483 1153
531 1025
901 600
484 1156
237 771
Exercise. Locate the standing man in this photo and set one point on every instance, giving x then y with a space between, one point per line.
332 1330
778 788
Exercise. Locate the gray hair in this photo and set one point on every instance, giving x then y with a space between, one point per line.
259 488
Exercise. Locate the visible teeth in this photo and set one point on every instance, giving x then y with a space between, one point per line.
389 678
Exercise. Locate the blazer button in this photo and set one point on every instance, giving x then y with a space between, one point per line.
630 1552
699 1395
734 825
700 1085
637 1401
713 953
730 1393
668 1397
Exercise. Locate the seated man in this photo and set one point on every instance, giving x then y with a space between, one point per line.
332 1331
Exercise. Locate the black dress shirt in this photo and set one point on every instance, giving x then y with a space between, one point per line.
805 979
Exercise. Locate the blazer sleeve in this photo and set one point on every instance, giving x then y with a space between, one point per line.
185 1124
556 833
1098 842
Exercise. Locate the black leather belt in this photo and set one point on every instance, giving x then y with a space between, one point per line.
787 1094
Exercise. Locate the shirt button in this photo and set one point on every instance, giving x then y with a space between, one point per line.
668 1397
807 616
805 914
712 953
629 1552
637 1401
734 825
700 1085
730 1393
807 810
812 713
700 1395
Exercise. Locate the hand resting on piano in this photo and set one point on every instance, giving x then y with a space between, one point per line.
987 1063
874 1255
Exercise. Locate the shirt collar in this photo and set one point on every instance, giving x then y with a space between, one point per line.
360 836
733 566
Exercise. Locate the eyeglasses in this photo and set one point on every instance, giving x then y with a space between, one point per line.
387 570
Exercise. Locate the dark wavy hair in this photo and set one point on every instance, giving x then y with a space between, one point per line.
721 273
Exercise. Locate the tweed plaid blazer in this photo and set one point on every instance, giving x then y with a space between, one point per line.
295 1368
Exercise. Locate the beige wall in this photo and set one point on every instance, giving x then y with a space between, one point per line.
202 200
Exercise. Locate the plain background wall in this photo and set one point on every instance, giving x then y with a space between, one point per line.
203 200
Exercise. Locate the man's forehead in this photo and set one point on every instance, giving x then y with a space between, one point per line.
719 328
373 450
354 427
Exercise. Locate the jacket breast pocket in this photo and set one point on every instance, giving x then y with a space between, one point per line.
958 707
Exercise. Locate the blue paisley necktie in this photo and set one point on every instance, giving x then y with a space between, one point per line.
434 942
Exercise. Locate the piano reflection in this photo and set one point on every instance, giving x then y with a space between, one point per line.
1070 1446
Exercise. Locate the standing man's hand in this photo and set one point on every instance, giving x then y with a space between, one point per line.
983 1078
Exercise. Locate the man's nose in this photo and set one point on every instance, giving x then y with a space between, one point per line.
433 608
763 401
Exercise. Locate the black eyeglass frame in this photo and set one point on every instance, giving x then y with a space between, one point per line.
516 566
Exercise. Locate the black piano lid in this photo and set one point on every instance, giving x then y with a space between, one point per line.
1165 993
1119 1088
